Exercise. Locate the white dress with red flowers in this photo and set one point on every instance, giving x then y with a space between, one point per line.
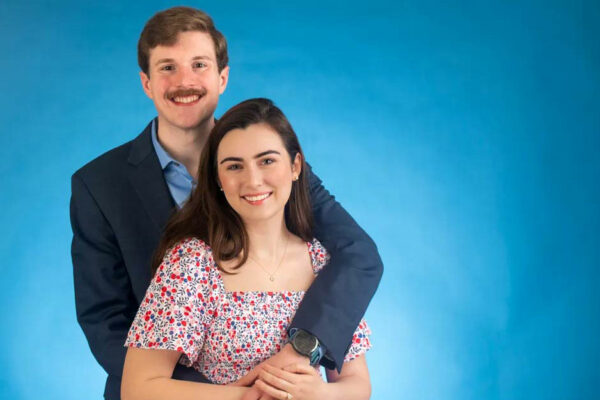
221 334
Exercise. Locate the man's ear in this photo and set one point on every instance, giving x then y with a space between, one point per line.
223 79
145 84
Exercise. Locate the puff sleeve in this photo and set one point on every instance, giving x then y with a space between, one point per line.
360 339
178 305
360 342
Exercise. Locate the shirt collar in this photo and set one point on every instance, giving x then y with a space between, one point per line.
163 157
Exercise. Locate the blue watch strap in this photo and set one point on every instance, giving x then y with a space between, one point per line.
317 356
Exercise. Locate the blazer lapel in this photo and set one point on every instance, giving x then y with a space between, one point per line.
148 181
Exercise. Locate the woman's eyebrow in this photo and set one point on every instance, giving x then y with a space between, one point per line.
264 153
259 155
231 159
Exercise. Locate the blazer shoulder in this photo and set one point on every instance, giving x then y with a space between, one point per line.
112 160
112 163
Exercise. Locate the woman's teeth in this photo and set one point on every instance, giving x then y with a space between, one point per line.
257 198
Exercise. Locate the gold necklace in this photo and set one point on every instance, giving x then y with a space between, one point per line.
272 275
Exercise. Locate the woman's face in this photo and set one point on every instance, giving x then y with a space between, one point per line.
256 172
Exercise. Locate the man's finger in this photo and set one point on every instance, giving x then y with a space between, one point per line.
282 374
300 369
275 381
249 378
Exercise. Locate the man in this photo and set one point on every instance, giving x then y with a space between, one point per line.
121 201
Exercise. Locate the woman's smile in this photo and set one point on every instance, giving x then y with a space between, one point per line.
257 199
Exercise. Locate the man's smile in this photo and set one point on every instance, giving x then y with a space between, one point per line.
186 96
186 99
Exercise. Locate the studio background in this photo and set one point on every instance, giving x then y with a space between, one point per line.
463 136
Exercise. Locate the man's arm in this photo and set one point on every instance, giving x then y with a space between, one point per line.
103 295
338 298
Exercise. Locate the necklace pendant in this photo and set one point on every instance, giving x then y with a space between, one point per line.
272 278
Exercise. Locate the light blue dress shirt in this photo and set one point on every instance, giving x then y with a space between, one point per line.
178 179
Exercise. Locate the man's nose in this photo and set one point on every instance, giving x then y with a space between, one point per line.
185 77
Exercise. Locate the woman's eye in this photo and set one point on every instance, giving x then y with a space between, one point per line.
234 167
268 161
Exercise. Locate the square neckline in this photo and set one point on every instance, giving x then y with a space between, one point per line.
221 282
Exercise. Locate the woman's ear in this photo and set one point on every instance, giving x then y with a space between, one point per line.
297 166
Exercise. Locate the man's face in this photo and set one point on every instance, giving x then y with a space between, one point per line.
184 81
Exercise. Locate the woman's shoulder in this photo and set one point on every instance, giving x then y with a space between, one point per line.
188 264
192 244
318 254
189 252
190 247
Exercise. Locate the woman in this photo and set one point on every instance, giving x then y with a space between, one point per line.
232 269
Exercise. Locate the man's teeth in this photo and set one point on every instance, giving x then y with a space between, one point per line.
186 99
257 198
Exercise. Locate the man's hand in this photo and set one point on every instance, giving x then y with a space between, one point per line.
286 357
296 381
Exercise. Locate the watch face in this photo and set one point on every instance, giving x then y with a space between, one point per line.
304 342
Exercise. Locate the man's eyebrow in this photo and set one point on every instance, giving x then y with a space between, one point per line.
170 60
164 60
259 155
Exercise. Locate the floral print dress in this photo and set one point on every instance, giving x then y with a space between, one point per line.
221 334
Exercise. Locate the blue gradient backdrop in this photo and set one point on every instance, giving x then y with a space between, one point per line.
463 136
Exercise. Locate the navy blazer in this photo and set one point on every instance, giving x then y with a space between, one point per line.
120 204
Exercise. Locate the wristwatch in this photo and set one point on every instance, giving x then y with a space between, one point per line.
306 344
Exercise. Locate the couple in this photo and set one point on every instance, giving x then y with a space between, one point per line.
234 262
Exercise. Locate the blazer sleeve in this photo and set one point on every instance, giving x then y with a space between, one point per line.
338 298
104 299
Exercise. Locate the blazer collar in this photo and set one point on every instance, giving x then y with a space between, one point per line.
141 146
148 180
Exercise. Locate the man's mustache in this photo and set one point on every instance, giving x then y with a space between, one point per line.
186 92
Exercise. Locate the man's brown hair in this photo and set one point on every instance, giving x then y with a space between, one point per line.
164 26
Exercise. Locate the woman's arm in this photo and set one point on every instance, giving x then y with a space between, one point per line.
147 376
352 383
305 383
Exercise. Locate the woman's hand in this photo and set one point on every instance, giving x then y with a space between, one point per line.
297 382
252 394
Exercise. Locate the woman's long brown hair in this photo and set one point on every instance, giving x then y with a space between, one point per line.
208 216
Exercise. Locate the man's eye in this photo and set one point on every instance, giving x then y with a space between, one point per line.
167 68
199 65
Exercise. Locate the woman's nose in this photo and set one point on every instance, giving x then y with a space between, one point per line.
254 176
